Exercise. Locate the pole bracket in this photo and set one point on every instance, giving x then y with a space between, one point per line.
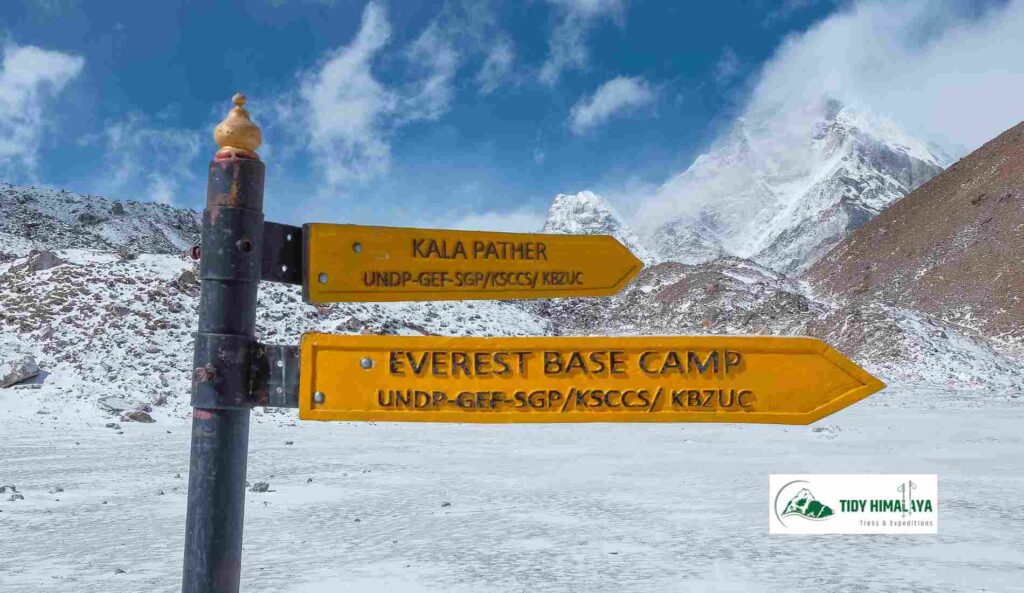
276 376
282 253
237 372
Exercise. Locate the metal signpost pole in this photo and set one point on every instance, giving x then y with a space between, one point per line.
225 343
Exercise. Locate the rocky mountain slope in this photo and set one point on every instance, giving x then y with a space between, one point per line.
783 189
116 321
586 213
102 296
732 296
951 248
103 326
39 218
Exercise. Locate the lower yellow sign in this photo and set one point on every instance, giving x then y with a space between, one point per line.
577 379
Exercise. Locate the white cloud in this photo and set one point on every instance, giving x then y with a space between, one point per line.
351 113
29 78
435 62
568 40
786 8
938 68
497 65
618 96
622 193
727 66
148 163
348 108
522 220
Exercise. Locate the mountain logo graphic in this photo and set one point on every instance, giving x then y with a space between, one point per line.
796 499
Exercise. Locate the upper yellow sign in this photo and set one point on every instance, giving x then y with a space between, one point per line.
632 379
347 263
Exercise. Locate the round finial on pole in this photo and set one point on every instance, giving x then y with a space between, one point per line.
237 135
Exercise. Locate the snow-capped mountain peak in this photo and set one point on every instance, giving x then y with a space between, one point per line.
783 188
587 213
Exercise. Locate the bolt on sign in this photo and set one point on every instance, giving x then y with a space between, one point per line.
578 379
346 263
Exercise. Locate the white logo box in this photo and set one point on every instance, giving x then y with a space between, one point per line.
904 504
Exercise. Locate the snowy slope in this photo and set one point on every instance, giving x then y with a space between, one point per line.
40 218
587 213
102 326
782 189
366 507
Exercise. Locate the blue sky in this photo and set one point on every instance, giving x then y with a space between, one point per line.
404 113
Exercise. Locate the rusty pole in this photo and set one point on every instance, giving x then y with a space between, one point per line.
225 344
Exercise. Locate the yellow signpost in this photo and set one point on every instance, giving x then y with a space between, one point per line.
440 379
346 263
577 379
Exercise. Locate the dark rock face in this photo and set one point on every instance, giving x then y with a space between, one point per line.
952 248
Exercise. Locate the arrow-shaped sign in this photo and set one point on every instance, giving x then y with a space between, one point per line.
347 263
582 379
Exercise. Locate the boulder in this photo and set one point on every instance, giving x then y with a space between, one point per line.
88 218
125 253
352 324
186 282
187 279
114 404
16 371
137 416
39 261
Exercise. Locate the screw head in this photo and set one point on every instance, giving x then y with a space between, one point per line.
357 247
322 278
318 397
366 362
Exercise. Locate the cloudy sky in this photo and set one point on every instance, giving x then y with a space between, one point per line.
470 114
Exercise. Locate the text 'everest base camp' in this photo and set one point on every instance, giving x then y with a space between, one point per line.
854 233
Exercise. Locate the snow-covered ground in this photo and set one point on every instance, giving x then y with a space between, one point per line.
613 507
